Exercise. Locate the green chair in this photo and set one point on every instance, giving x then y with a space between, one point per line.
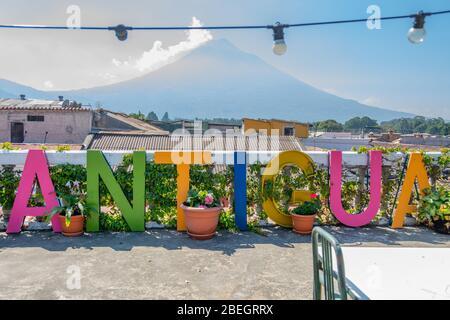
332 280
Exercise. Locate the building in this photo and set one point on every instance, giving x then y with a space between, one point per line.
343 141
105 120
336 135
157 142
44 121
423 141
275 126
32 121
194 125
389 136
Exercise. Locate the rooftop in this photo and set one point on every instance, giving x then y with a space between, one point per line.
335 135
139 125
273 119
37 104
135 265
136 141
45 146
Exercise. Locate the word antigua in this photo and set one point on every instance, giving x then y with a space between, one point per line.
36 167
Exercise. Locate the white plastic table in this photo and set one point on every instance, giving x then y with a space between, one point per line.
398 273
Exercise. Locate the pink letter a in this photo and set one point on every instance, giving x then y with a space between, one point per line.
363 218
35 166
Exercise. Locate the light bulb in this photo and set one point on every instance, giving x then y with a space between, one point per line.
121 31
279 47
417 33
416 36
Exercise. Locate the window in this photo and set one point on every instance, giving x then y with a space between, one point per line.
35 118
288 131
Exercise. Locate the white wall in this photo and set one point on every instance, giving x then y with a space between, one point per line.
63 127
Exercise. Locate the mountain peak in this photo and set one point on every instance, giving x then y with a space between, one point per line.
220 43
219 48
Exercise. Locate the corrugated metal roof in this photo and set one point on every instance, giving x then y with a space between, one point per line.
36 104
114 141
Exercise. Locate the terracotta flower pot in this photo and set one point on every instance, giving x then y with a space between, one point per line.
75 228
201 223
302 224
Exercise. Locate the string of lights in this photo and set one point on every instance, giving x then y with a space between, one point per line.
416 34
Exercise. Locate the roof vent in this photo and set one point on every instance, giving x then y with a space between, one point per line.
66 103
22 97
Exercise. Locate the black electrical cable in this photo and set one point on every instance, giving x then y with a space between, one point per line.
364 20
15 26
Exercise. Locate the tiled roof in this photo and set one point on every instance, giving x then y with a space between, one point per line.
46 146
138 124
123 141
36 104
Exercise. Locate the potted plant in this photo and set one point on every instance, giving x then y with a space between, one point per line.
303 215
201 214
71 211
434 209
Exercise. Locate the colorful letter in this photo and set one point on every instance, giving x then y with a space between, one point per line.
36 166
297 158
240 190
97 167
182 160
416 169
363 218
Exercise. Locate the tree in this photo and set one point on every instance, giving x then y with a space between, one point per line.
368 122
139 115
405 126
165 117
329 126
152 116
418 125
356 124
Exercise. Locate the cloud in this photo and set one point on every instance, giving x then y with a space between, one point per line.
48 84
116 62
158 56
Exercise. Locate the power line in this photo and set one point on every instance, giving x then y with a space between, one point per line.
415 35
22 26
410 16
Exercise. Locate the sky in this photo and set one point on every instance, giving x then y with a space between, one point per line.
376 67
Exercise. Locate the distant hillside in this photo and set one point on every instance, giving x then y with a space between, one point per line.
219 80
9 89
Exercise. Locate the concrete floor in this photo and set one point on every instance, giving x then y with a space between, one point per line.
164 264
